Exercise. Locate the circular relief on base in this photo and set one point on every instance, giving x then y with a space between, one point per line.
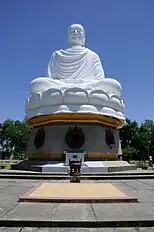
75 138
109 138
39 138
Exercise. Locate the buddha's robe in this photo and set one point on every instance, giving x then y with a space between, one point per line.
75 65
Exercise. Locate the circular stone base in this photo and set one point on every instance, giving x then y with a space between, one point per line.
48 141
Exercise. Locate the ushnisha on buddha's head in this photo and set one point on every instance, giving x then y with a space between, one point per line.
76 35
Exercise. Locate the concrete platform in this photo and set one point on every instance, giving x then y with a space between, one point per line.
60 167
77 192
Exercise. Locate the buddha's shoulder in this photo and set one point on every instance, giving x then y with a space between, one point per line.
92 53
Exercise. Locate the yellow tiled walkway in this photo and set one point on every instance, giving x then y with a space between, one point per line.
77 190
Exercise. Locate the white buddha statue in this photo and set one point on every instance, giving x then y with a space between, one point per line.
75 63
76 66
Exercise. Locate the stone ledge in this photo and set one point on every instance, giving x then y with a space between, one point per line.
66 177
9 222
25 173
121 168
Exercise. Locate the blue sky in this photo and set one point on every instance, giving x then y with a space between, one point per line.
120 31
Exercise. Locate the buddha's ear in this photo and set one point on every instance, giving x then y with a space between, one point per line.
83 42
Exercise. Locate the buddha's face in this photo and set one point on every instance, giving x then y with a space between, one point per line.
76 35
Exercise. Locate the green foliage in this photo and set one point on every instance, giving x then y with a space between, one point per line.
128 153
13 139
137 141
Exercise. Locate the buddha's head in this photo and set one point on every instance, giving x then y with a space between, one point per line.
76 35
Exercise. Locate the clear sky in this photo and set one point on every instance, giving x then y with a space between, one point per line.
120 31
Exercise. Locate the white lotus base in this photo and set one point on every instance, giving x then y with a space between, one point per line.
75 99
89 109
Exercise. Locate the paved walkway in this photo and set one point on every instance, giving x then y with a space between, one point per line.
28 229
11 209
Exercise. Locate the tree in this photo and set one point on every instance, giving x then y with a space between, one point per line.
19 139
129 153
145 133
129 133
140 138
14 137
